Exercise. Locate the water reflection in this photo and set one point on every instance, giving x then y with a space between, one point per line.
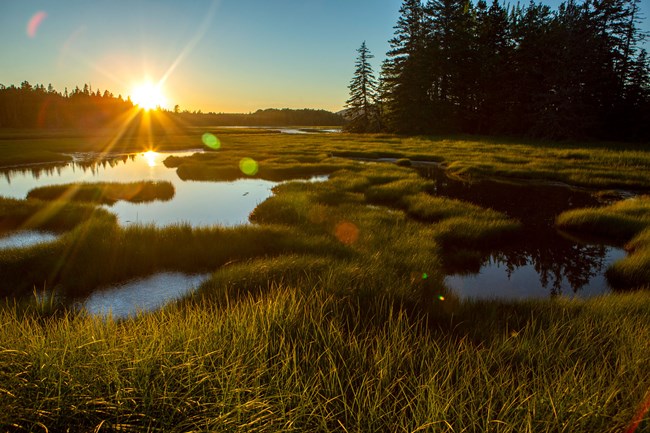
141 295
25 238
195 203
540 261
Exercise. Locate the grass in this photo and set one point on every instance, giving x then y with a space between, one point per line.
626 221
330 311
106 192
98 253
308 360
42 215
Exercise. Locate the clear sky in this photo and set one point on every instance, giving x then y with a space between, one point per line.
213 55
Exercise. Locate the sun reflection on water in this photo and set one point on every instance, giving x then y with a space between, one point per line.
151 157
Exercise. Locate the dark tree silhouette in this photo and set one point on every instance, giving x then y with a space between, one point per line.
406 81
34 106
576 72
362 104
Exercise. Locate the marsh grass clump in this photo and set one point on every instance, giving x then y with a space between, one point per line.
99 253
626 221
269 166
45 215
373 218
393 193
106 192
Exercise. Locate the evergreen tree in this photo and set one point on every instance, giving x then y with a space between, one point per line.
494 50
407 104
453 64
363 94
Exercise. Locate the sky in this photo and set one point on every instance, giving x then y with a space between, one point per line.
209 55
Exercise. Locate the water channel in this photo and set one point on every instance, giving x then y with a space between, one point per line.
195 203
540 263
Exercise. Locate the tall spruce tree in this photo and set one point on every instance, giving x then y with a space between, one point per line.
363 94
407 103
451 35
494 50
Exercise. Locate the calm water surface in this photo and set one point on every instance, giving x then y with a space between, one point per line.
142 294
540 261
25 238
196 203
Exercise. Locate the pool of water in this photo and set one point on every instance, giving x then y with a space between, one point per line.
540 261
196 203
25 238
142 294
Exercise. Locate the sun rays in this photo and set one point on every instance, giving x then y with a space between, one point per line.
148 96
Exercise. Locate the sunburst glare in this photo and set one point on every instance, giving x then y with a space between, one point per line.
148 96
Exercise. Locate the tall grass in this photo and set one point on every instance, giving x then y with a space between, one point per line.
99 253
309 360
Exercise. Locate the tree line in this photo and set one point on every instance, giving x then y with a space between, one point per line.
266 117
456 67
37 106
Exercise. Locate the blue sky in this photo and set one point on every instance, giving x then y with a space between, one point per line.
221 55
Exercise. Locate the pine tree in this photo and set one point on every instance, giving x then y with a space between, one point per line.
405 73
363 94
494 71
453 63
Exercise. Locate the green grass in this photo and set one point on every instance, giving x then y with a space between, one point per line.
106 192
98 253
626 221
45 215
308 360
330 312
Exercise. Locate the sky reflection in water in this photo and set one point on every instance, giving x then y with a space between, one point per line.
142 294
539 262
196 203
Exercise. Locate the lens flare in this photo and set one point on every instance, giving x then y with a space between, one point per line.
425 276
249 166
35 22
211 141
346 232
644 407
441 298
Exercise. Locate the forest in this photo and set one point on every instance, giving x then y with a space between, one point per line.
577 72
37 106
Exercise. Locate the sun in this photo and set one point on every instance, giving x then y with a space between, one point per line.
148 95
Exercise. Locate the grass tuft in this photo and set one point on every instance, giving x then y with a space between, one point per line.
106 192
627 221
